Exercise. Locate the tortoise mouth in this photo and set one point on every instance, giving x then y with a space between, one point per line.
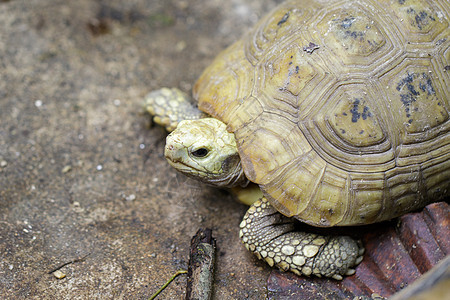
182 167
189 171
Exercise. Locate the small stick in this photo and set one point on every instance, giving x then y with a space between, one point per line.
201 266
179 272
68 263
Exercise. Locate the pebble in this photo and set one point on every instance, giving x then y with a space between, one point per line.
130 197
58 274
66 169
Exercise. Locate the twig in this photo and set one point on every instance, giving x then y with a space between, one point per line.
69 262
201 266
179 272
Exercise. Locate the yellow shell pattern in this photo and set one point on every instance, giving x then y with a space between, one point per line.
340 108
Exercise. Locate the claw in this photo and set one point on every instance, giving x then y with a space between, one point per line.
358 260
337 277
361 251
350 272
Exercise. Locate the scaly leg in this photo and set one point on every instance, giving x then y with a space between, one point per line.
171 106
272 237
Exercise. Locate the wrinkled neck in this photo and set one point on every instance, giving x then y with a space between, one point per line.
232 174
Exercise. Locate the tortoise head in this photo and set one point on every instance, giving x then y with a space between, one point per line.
205 150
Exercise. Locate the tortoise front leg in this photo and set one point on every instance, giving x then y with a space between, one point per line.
170 106
272 237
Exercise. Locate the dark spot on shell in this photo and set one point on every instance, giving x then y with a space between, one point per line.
356 115
401 2
355 111
410 94
371 43
410 121
354 34
429 85
366 113
283 19
344 113
407 99
342 131
310 48
361 132
440 42
412 89
447 68
347 22
408 79
421 18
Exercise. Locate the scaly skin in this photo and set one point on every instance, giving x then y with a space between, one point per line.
271 236
205 150
171 106
202 148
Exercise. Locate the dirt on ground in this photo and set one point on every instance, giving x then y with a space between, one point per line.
84 186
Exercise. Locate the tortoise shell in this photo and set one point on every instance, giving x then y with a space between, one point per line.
340 108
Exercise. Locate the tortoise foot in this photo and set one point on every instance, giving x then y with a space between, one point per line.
170 106
272 237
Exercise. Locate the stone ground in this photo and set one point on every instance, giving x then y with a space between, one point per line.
82 173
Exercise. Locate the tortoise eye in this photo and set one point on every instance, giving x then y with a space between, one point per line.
201 152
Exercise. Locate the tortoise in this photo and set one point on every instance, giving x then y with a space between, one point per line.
331 113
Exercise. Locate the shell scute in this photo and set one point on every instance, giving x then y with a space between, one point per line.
419 20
